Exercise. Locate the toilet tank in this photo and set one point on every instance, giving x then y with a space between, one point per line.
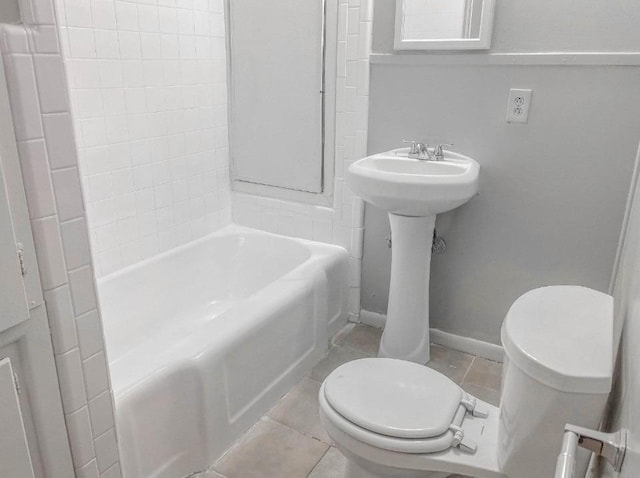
558 369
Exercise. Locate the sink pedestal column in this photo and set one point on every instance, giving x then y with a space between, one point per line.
406 332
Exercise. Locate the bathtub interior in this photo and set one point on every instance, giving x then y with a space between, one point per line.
232 323
181 288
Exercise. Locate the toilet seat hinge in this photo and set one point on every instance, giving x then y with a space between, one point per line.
472 406
459 440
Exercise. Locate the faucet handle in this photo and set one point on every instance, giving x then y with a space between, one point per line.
438 154
414 146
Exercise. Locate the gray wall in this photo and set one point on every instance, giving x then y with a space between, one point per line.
9 12
552 192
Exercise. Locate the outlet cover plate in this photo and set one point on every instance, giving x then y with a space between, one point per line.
518 106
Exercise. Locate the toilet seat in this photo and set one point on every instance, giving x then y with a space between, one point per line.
398 406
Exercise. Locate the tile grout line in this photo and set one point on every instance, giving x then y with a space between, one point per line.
318 462
468 369
352 349
297 431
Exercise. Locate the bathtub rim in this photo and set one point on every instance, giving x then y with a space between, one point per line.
227 230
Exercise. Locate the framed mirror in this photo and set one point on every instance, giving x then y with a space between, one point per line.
444 24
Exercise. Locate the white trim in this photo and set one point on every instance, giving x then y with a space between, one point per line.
284 194
464 344
625 224
502 59
476 347
372 318
483 42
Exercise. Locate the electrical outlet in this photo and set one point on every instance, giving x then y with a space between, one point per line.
518 106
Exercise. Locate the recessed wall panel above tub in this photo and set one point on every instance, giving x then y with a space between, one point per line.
276 98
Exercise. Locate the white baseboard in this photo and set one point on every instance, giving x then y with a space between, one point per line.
464 344
476 347
372 318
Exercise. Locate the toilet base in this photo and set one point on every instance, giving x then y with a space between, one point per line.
367 461
366 470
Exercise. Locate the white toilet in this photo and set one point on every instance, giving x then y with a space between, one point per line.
393 418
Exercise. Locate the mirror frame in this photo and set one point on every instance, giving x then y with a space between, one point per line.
481 43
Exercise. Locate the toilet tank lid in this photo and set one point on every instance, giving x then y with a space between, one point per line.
562 336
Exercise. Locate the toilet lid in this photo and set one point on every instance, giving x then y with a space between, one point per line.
393 397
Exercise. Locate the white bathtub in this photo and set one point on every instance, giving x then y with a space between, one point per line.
204 339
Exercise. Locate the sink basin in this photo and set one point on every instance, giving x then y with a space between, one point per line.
411 187
412 191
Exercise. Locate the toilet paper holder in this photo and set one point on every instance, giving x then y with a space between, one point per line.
612 446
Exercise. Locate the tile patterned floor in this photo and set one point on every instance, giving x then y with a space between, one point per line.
290 442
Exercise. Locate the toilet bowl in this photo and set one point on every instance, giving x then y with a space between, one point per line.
393 418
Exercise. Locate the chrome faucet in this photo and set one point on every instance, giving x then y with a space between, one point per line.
421 151
438 154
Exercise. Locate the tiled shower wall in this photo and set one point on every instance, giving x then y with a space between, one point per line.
44 135
343 223
149 96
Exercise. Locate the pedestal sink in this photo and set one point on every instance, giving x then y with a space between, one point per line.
412 191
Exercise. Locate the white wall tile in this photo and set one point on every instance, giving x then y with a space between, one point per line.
109 261
46 234
113 101
45 39
323 231
110 73
150 46
78 13
60 313
24 97
93 131
80 438
168 20
89 331
185 22
82 290
84 73
82 43
75 243
14 39
66 185
127 15
53 94
101 414
148 18
129 45
37 181
70 376
90 470
148 100
107 46
96 376
58 132
104 13
106 450
113 472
